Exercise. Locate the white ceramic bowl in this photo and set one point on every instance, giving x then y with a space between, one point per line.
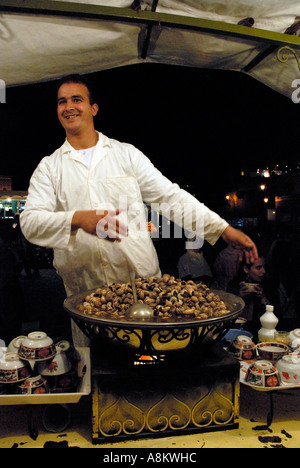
14 345
272 351
263 374
58 365
37 346
289 368
13 370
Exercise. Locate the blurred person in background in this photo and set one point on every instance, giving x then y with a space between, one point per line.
253 285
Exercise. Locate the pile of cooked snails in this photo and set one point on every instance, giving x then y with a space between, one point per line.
168 297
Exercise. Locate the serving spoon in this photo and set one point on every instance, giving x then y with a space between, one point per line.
139 310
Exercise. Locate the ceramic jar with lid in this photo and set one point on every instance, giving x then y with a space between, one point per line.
289 368
295 338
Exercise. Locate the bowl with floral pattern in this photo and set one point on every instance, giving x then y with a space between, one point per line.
263 373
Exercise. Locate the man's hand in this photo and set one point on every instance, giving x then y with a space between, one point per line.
104 224
241 242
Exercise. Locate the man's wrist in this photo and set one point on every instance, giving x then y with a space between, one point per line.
75 223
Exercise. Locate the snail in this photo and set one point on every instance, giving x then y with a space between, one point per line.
169 297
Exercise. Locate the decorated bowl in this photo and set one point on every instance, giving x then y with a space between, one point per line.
272 351
35 385
13 369
263 374
243 348
37 346
58 365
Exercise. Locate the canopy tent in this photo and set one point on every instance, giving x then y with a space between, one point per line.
43 40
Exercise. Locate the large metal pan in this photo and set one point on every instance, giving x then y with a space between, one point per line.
156 335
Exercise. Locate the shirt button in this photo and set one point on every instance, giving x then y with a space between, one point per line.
95 204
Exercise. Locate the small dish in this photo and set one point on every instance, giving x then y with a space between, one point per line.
289 368
37 346
272 351
263 374
13 370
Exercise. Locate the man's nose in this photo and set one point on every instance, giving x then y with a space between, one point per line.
69 105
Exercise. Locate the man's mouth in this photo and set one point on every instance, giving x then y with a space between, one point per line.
71 116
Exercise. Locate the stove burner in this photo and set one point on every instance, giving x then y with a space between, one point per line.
142 359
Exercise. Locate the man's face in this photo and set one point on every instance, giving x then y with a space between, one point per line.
74 110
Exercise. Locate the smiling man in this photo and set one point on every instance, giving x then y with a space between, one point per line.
76 110
74 199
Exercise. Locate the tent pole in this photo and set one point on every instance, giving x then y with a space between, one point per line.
88 11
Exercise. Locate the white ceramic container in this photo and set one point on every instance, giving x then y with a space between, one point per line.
289 368
295 338
269 322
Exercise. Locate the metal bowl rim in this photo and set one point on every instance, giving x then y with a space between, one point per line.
234 301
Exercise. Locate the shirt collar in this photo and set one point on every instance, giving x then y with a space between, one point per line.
102 142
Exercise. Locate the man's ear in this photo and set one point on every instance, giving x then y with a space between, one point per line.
95 108
246 269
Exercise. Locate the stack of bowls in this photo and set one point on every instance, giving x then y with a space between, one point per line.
36 365
264 372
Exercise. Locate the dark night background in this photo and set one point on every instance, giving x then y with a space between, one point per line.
200 127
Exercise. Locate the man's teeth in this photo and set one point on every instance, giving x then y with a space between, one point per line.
70 116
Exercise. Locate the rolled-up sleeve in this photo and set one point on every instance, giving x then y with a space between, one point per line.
41 223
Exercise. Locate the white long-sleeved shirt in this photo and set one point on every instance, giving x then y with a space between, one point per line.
120 176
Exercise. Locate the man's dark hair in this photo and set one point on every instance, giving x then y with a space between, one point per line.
81 79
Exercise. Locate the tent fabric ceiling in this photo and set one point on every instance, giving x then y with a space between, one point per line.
38 47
